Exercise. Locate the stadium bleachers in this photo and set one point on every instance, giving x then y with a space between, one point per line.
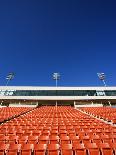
107 113
57 130
9 112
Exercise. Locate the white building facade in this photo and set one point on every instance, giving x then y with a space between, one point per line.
57 93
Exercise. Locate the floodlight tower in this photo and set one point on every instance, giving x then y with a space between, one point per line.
56 77
102 78
9 77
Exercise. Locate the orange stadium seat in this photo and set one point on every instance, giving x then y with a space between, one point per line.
53 149
40 149
92 149
66 149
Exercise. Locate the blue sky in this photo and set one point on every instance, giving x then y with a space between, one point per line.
74 37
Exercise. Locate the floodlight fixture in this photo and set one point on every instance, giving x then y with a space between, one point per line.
56 77
9 77
102 77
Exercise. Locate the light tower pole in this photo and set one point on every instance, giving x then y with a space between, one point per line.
56 77
9 77
102 78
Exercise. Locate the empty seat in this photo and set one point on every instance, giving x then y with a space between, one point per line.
75 140
32 139
43 139
27 149
65 140
105 149
66 149
14 149
13 139
92 149
79 149
40 149
3 148
54 139
36 133
53 149
23 139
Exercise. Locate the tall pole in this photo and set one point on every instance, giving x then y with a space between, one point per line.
102 78
56 82
7 82
104 83
56 77
9 77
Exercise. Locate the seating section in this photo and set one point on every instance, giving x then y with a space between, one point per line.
107 113
62 130
9 112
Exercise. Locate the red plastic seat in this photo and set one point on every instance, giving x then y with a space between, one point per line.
54 139
43 139
66 149
13 139
40 149
45 133
65 140
92 149
14 149
63 133
28 133
4 139
54 132
85 139
23 139
53 149
105 149
32 139
3 148
36 133
27 149
79 149
97 141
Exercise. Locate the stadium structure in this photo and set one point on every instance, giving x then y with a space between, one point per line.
57 120
77 96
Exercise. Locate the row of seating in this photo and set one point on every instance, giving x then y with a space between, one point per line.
56 149
72 139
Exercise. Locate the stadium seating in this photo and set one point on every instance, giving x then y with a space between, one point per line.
107 113
9 112
61 130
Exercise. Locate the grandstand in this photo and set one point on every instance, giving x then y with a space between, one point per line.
57 120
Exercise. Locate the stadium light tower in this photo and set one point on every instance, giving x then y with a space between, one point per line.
102 78
56 77
9 77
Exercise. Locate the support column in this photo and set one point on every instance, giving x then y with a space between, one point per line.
75 104
109 103
56 103
91 102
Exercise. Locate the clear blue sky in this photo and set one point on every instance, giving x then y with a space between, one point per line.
74 37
